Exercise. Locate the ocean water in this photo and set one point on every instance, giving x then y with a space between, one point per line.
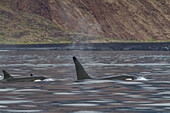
61 93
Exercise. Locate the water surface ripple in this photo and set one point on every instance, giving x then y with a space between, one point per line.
62 93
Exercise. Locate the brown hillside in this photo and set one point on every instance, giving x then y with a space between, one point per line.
119 19
145 20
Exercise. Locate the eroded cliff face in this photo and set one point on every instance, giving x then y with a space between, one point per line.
119 19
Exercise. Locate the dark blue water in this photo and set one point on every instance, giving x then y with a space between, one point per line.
60 93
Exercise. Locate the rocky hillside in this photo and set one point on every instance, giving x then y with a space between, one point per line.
119 19
144 20
20 27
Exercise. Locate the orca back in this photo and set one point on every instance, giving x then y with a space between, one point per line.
81 73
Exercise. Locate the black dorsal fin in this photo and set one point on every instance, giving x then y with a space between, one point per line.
6 75
81 73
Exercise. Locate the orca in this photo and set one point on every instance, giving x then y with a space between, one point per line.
9 78
82 74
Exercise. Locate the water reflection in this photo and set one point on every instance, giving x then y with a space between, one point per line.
14 101
22 111
61 93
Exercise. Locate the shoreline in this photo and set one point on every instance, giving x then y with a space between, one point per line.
116 46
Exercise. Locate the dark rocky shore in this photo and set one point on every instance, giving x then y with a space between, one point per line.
91 47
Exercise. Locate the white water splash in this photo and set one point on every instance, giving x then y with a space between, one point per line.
49 79
141 78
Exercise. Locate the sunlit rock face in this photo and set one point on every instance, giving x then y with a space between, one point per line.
119 19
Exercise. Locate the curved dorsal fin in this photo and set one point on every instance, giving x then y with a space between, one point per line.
6 75
81 73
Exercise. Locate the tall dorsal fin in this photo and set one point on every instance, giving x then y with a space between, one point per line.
6 75
81 73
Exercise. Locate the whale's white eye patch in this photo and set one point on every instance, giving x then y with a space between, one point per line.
128 78
38 80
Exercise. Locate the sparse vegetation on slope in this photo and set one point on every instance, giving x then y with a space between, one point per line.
140 20
62 21
20 27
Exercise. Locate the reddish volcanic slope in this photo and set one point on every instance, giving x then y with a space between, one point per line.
119 19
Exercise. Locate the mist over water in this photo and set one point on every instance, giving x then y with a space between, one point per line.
60 92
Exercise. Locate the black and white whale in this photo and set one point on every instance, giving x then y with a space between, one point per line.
82 74
9 78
